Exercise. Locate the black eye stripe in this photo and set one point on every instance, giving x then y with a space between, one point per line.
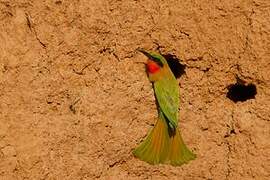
157 60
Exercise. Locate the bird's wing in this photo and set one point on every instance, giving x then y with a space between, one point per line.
167 94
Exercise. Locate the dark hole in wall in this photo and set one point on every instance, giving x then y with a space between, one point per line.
241 92
177 68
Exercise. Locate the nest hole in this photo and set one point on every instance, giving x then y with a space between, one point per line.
177 68
239 92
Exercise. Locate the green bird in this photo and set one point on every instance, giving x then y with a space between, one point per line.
164 143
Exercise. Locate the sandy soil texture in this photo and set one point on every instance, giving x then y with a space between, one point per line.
75 102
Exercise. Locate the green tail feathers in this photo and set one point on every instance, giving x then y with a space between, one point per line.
161 146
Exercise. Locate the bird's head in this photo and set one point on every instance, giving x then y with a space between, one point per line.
155 61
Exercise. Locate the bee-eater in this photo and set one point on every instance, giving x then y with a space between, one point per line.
164 143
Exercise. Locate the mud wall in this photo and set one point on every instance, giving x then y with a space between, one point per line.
74 101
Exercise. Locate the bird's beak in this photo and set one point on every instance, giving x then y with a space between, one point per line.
151 56
147 54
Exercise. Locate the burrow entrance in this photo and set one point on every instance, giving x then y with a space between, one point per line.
240 91
177 68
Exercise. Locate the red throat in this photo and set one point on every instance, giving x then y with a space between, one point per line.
152 67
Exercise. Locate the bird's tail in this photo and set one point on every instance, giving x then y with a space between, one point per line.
163 145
